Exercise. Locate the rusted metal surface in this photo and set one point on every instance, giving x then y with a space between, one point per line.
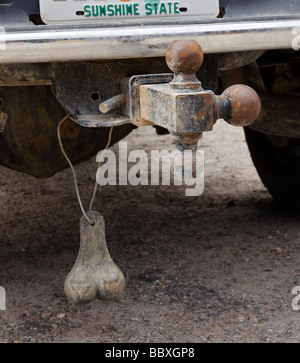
184 59
177 111
82 86
184 56
187 141
25 74
131 86
245 105
184 107
29 142
94 274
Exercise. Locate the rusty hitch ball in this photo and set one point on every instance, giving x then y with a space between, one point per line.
184 56
244 105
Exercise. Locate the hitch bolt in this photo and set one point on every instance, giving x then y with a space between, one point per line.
113 103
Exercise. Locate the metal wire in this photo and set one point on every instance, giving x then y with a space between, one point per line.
96 184
73 170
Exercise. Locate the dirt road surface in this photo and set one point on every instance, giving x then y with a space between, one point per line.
216 268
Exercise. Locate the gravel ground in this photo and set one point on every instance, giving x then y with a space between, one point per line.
216 268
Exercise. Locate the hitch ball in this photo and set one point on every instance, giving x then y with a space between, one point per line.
184 56
245 105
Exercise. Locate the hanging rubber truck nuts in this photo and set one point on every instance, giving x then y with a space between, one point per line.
94 274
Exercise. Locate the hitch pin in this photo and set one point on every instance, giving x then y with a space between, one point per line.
113 103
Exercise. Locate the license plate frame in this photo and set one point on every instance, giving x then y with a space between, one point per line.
126 11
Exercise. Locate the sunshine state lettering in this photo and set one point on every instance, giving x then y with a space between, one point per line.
131 9
111 10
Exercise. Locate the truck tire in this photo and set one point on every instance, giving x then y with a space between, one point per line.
277 160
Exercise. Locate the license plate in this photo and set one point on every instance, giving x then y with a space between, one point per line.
126 11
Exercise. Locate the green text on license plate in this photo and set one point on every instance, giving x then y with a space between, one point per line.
58 11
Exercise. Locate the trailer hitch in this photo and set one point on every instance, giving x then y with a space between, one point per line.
178 103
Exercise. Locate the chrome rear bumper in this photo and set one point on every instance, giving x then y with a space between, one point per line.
48 44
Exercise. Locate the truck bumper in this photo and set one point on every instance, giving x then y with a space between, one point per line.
61 44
